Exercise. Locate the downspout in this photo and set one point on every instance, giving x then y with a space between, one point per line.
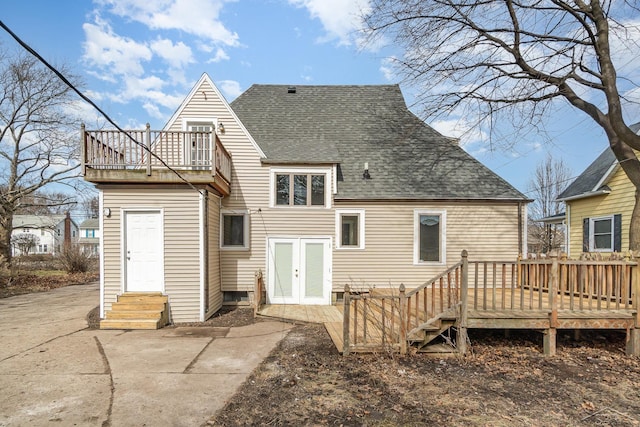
520 230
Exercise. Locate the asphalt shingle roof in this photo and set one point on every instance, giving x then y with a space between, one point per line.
354 125
591 176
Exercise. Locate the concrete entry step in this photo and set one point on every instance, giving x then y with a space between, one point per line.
137 310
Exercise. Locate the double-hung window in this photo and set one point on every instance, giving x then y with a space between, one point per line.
235 230
301 188
601 238
429 237
350 229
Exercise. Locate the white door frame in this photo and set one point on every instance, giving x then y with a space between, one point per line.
298 270
123 245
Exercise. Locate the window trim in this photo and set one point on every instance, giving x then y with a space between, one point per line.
247 238
416 236
592 228
326 171
361 227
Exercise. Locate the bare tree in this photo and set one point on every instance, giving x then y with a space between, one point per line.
549 179
511 62
37 144
25 242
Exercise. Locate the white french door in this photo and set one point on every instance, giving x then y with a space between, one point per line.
143 251
299 271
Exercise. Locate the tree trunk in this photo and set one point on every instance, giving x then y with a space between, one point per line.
634 226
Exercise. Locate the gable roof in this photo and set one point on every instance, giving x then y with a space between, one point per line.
592 181
205 79
37 221
354 125
90 223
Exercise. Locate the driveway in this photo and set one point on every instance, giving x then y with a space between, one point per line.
53 370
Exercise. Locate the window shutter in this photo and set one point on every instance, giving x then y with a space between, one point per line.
585 235
617 233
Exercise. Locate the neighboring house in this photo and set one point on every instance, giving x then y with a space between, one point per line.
599 204
90 236
50 232
315 186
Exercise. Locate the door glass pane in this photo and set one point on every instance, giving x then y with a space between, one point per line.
349 230
313 269
282 189
317 190
283 254
429 238
300 190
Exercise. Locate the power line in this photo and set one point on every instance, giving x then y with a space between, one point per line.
93 104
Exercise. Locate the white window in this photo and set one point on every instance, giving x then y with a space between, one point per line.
350 229
429 237
601 234
235 230
301 187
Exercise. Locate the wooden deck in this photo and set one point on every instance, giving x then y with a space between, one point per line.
303 313
542 295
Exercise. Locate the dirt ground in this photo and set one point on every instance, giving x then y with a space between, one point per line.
28 283
504 381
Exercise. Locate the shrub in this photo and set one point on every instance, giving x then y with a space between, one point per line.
76 260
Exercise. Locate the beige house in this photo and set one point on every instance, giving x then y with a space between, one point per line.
599 204
315 186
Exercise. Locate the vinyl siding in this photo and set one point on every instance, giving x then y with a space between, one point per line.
213 249
619 201
181 244
488 231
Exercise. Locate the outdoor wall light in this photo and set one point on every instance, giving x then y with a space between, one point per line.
221 128
106 212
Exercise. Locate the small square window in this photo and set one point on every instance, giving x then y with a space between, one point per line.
235 230
350 229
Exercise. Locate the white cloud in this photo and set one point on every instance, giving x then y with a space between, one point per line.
220 55
196 17
340 18
176 55
230 88
107 50
386 68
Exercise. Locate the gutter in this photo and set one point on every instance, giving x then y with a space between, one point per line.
585 195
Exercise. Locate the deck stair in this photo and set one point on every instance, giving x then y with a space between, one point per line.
136 310
423 336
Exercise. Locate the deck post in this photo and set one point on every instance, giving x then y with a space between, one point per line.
550 334
633 333
148 148
83 140
403 321
346 318
464 292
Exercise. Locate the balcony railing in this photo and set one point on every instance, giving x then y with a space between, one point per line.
155 150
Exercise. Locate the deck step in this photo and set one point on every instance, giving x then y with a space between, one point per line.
137 311
130 324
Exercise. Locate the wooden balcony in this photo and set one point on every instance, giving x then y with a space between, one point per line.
155 157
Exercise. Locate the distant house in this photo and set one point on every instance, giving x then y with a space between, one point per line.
599 204
314 186
90 236
50 232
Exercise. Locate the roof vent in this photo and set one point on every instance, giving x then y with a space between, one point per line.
291 89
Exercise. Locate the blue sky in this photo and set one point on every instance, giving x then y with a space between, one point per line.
138 59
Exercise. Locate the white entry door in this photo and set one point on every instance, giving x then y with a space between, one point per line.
299 271
143 251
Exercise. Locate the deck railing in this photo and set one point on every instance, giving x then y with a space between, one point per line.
383 319
380 320
155 149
